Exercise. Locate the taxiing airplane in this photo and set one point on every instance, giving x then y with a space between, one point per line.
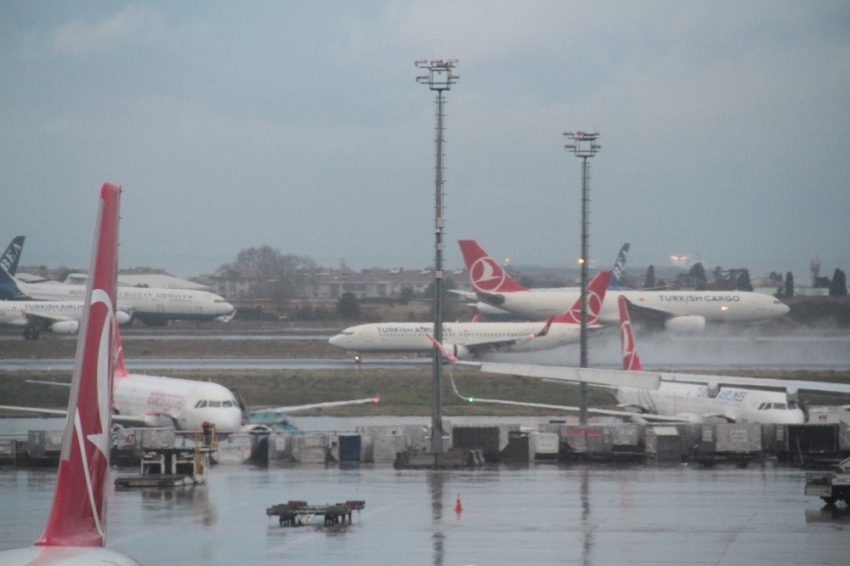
154 307
684 311
76 527
467 340
35 317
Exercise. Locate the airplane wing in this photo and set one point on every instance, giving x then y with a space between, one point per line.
121 419
591 376
791 385
295 408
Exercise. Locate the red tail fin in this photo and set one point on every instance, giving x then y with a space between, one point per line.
595 297
631 361
486 275
78 516
449 356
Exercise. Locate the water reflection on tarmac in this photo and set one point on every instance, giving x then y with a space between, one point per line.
545 514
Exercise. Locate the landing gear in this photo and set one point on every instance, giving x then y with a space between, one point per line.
31 333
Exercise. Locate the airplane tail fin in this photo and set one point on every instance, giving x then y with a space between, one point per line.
618 268
9 290
486 275
595 297
631 361
78 515
10 257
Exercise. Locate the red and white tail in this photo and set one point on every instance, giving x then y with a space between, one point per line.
78 516
448 355
595 297
631 361
486 275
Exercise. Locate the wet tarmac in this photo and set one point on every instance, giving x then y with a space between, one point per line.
545 514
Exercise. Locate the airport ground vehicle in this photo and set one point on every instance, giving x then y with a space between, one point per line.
830 486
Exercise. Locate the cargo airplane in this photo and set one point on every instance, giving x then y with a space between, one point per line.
472 339
684 311
155 307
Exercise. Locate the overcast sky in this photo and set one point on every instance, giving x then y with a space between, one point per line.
725 130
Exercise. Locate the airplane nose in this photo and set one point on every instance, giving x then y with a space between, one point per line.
784 309
336 340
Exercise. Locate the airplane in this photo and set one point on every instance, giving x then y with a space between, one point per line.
75 533
685 397
185 404
467 340
680 311
154 307
59 317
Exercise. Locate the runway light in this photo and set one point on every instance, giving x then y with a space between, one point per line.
580 260
471 399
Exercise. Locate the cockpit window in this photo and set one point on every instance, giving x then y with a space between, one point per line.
792 406
780 406
200 404
215 403
226 404
761 407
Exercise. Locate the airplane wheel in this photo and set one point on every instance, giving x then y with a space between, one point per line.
830 501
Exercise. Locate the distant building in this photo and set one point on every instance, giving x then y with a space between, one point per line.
332 283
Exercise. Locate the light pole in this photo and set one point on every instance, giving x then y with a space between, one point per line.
439 78
583 145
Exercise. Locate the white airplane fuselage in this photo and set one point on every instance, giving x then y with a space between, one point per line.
411 336
184 403
148 303
693 402
66 315
713 306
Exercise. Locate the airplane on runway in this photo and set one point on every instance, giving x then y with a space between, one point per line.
681 311
154 307
466 340
60 317
76 527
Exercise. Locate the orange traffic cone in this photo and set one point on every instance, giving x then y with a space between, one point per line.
458 507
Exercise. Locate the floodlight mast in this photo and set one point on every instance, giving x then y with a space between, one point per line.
584 146
439 78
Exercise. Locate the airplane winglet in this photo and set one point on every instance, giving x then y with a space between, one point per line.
442 348
631 360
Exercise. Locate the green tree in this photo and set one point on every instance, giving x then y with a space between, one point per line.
649 282
697 278
406 294
839 283
822 283
743 281
789 285
348 307
279 275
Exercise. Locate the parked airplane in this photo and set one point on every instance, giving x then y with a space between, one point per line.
35 317
686 397
76 528
152 306
466 340
685 311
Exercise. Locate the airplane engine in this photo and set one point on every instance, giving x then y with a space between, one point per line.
685 324
689 417
713 388
484 308
65 327
124 317
457 350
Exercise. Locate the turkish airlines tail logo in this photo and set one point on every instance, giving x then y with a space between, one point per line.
486 275
595 298
78 516
631 361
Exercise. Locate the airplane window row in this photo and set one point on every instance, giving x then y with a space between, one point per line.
205 403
